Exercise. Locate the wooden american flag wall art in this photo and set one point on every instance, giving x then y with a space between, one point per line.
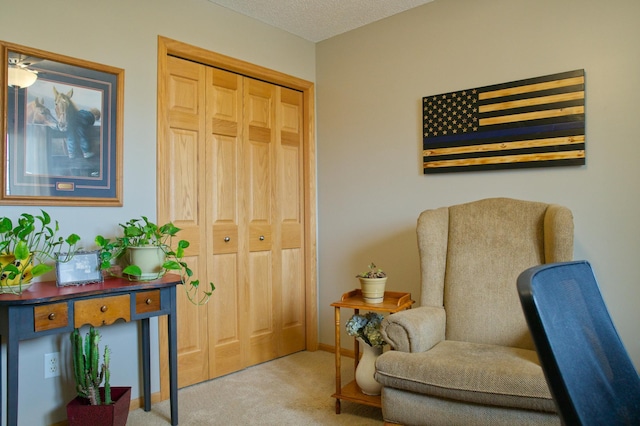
537 122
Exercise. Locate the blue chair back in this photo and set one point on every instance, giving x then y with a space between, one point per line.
590 375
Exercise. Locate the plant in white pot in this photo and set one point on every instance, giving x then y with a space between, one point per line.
147 252
27 246
372 284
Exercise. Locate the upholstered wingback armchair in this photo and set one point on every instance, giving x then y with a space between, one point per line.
465 355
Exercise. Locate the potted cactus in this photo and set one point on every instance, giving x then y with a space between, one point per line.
95 405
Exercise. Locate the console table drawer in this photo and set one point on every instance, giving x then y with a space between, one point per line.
147 301
48 317
102 310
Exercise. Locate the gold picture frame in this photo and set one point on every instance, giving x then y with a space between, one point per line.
62 140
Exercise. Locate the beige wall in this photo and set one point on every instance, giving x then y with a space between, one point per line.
123 33
370 83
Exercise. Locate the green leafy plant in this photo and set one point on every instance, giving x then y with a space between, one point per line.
373 272
366 327
31 243
141 232
87 371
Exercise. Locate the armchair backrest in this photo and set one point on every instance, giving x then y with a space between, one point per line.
471 255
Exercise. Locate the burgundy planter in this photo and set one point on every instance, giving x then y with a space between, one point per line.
81 413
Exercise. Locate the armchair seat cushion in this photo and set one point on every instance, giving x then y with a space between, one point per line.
470 372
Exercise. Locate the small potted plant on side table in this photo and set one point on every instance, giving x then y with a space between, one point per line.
95 405
372 283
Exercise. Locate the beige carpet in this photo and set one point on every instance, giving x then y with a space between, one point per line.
293 390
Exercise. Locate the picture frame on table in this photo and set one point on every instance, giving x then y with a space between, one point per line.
82 268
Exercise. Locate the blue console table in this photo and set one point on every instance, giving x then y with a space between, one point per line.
45 309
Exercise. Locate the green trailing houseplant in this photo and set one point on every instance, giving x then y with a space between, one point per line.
27 245
141 232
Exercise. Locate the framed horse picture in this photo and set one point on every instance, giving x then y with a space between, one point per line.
63 129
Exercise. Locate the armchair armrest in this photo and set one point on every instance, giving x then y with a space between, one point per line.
414 330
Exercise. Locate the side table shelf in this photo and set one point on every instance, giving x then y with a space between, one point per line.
393 302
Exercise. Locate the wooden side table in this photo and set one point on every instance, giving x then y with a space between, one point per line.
393 302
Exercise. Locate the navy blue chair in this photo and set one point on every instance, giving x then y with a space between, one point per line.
591 377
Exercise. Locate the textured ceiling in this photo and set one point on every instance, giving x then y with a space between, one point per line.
317 20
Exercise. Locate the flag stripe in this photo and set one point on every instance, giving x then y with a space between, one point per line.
505 166
531 88
507 134
560 112
535 80
532 108
507 151
567 140
503 159
543 100
531 95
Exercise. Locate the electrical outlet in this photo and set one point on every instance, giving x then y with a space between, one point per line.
51 365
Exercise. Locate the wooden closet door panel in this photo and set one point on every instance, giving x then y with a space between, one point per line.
192 338
226 337
263 238
180 156
292 302
227 329
291 217
260 309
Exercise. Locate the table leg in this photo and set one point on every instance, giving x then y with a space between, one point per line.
338 359
173 358
1 364
12 371
356 347
146 363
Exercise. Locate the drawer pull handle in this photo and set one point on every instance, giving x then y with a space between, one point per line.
52 316
227 239
261 237
104 308
148 301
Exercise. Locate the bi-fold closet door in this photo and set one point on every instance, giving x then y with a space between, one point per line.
233 175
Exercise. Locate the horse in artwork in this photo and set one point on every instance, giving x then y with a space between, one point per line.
38 113
66 110
76 123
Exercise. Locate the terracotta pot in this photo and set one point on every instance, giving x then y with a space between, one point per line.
81 413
